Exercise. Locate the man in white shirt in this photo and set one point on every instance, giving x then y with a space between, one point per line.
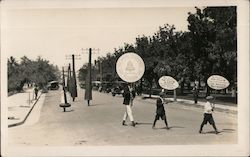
208 117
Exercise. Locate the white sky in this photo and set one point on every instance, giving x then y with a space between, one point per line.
53 33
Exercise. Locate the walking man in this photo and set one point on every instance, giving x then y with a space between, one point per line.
36 91
208 117
196 93
160 111
129 95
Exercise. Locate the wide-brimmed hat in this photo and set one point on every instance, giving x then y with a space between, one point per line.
209 97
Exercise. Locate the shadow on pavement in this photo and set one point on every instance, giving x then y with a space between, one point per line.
171 127
95 105
13 118
141 123
228 130
212 132
80 142
24 106
222 131
176 127
69 110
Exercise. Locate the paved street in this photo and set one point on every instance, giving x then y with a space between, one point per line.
100 124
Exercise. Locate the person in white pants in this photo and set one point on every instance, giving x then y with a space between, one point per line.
128 95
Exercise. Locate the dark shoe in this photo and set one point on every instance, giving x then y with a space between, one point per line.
217 132
167 128
153 127
123 123
200 132
133 123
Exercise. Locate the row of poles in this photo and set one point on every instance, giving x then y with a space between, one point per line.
72 83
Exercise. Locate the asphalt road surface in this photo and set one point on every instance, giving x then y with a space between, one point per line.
101 124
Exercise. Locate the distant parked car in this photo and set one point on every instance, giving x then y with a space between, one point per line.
108 90
116 90
53 85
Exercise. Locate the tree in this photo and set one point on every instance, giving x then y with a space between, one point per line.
209 47
14 80
29 71
213 33
225 21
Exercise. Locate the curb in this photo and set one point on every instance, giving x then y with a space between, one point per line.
185 102
225 110
20 123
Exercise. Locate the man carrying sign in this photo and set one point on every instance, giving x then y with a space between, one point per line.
160 111
208 117
129 95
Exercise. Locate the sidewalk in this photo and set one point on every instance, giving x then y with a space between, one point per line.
218 106
19 106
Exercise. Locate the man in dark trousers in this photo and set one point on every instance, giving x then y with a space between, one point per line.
196 92
160 111
129 95
208 117
36 91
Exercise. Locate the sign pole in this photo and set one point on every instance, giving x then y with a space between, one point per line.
64 92
65 104
175 95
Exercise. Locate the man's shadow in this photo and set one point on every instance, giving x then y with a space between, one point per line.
172 127
145 123
176 127
71 110
221 131
91 105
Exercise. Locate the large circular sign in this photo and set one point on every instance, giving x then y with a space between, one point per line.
217 82
168 82
130 67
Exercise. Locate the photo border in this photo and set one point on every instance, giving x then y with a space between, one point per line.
240 149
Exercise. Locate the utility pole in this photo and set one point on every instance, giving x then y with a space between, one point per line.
73 84
88 82
100 70
69 80
74 91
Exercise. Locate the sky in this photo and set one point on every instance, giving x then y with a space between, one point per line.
53 33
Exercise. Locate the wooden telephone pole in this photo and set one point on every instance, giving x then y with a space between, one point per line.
72 82
88 82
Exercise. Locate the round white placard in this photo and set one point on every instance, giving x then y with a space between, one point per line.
217 82
168 82
130 67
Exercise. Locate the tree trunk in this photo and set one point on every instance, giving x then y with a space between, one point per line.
208 90
141 88
182 87
150 91
175 99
